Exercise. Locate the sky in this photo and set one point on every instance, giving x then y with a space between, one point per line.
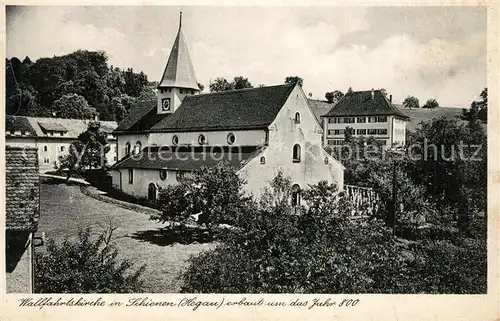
427 52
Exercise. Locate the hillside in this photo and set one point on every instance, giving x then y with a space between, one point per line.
422 114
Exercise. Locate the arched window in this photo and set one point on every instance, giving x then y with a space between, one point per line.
296 153
163 174
179 176
127 148
297 118
137 147
175 140
152 192
231 138
262 160
295 195
202 139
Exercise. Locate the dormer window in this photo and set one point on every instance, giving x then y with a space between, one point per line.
202 140
297 118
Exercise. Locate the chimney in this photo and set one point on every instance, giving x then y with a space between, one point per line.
373 94
390 98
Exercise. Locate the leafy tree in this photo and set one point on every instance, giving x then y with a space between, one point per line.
220 84
241 83
411 102
431 103
201 86
333 96
349 134
211 195
88 151
72 106
294 80
320 251
89 265
478 110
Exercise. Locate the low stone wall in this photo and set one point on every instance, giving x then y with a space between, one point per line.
94 193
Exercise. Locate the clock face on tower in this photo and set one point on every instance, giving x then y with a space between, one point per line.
165 104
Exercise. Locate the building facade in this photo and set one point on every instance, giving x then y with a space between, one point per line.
368 113
260 131
53 137
22 214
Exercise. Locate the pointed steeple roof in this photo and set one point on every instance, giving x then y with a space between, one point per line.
179 71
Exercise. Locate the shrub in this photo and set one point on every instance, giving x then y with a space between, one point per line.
89 265
321 250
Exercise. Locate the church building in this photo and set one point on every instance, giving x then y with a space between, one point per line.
260 131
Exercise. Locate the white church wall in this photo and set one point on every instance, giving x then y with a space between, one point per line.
132 139
284 133
141 181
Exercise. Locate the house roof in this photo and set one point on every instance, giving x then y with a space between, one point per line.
236 109
319 108
38 126
53 126
18 123
189 158
138 112
22 188
361 103
179 71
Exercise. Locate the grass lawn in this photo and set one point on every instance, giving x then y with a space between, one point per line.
64 209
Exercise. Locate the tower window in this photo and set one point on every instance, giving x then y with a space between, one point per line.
262 160
231 138
175 140
202 139
138 147
45 148
297 118
295 195
296 153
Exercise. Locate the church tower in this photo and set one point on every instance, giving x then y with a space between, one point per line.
178 80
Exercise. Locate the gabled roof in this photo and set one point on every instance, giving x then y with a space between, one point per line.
72 127
22 188
141 117
252 108
179 71
53 126
189 158
18 123
361 103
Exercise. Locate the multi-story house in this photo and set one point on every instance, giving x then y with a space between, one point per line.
368 113
52 136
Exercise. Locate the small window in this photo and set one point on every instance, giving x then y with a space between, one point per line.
131 176
45 148
262 160
175 140
295 195
296 153
163 174
127 148
297 118
326 161
51 133
231 138
137 147
62 148
361 120
192 92
202 139
61 134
